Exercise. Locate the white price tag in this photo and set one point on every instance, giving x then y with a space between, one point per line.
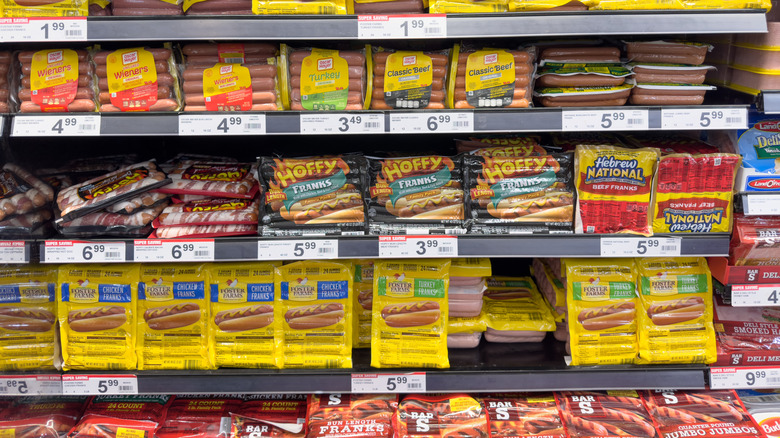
174 250
744 377
432 122
701 118
12 251
418 246
104 384
221 124
402 26
644 246
41 384
386 382
61 125
76 251
300 249
623 119
761 204
750 295
342 123
43 29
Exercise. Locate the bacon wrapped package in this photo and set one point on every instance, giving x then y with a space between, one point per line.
21 192
111 224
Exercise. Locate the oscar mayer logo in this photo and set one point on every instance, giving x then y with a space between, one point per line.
130 57
765 184
491 58
288 172
226 69
325 64
409 60
53 57
302 290
609 168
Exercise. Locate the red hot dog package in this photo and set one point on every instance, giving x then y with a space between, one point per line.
270 416
197 416
523 415
351 415
755 241
55 80
520 194
219 180
699 413
42 417
605 414
447 415
119 416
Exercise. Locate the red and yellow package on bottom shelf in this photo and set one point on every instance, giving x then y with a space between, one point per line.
606 414
523 415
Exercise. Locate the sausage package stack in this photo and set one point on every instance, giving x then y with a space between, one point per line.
467 283
5 76
501 146
515 311
523 414
197 415
24 203
277 415
607 413
347 415
409 79
490 78
144 8
362 303
442 415
230 76
466 331
56 80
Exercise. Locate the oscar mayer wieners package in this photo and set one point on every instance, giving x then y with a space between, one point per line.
614 189
410 314
173 317
242 321
314 313
675 321
601 301
362 300
97 315
28 313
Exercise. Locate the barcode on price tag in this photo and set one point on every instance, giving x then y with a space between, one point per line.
761 204
701 118
299 249
750 295
402 26
174 250
43 29
42 384
744 377
411 123
220 124
342 123
76 251
81 384
55 126
605 120
645 247
418 246
13 251
384 383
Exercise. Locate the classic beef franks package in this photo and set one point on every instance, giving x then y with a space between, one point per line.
410 314
351 415
675 323
441 416
605 414
97 314
520 194
416 195
42 417
242 315
314 311
270 416
197 415
709 413
601 301
173 317
307 196
523 414
363 298
118 416
614 189
408 79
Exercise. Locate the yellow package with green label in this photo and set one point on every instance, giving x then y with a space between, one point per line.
363 298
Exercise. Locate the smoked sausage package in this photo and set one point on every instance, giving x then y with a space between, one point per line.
448 415
605 414
523 415
56 80
351 415
408 79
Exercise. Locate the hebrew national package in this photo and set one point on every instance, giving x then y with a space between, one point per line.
314 310
675 322
601 301
97 313
516 311
173 317
410 314
242 321
362 298
28 312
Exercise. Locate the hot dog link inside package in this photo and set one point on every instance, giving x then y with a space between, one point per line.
362 303
314 310
28 312
605 414
515 311
410 314
313 196
242 315
173 317
198 415
601 301
523 415
416 195
121 416
408 79
675 323
351 415
55 80
449 415
97 315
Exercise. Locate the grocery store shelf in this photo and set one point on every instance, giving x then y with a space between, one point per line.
753 275
761 204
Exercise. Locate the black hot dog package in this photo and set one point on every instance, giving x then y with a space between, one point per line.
532 194
416 195
313 196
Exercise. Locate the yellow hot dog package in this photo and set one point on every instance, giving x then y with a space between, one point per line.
675 321
314 310
409 327
515 304
473 324
97 314
601 301
173 317
470 267
242 322
28 316
362 298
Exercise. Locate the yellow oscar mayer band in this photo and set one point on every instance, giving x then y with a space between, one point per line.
97 316
55 75
227 87
410 314
44 8
132 79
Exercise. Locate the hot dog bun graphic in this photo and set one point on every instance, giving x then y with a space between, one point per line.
366 298
173 316
606 317
341 206
445 203
677 311
411 314
314 317
245 318
97 318
26 320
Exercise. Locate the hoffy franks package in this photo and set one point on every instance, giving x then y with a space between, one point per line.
314 311
614 189
410 314
351 415
601 301
28 316
675 322
605 414
173 317
97 315
242 321
523 415
449 415
197 415
362 300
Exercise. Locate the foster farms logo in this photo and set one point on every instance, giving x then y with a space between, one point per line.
615 170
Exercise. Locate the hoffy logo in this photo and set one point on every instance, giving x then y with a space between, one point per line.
496 169
287 172
397 169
